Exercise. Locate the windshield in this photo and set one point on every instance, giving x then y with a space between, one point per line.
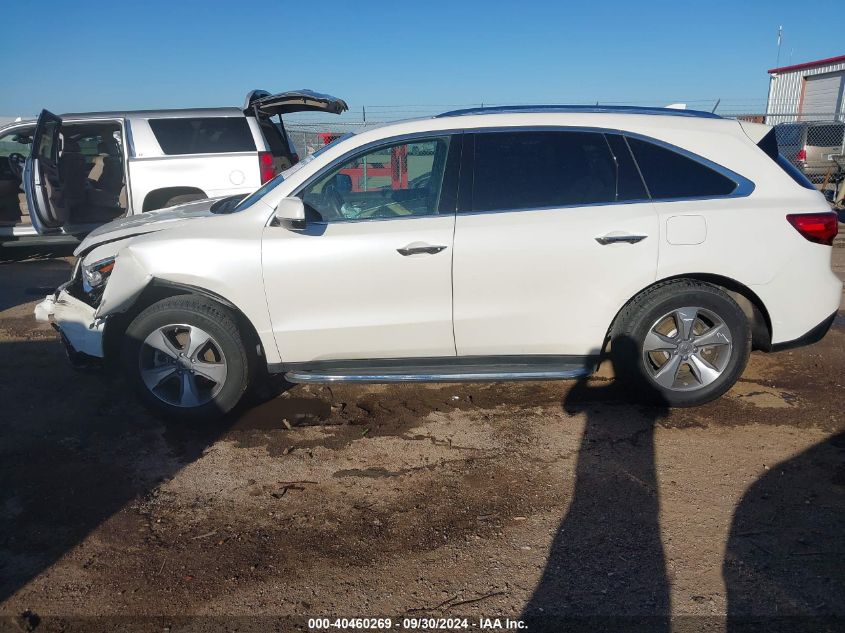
268 186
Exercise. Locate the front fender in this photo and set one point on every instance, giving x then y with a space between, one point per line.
126 283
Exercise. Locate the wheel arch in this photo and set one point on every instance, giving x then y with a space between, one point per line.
156 198
751 304
157 290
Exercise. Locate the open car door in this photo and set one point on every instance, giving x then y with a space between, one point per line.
41 176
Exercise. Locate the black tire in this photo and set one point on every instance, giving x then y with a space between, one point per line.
634 367
182 199
214 320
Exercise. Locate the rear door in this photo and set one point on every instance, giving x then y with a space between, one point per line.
41 176
557 233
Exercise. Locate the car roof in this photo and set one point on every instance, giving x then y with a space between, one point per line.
139 114
163 113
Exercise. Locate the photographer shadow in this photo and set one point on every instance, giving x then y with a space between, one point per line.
606 568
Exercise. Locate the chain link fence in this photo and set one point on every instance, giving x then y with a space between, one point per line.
815 144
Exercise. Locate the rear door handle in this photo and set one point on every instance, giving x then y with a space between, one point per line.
419 248
615 238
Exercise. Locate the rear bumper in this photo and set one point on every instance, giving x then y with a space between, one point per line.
813 336
81 333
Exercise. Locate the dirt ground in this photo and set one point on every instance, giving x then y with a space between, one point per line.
542 501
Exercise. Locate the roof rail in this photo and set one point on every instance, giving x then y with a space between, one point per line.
580 108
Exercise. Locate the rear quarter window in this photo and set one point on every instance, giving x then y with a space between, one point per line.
208 135
671 175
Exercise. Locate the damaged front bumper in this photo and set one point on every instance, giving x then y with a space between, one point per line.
81 332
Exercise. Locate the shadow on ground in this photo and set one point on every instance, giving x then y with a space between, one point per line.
25 281
786 548
606 568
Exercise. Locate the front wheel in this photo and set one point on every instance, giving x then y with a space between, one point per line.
186 359
681 343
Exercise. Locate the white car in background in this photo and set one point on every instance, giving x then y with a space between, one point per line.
487 244
88 169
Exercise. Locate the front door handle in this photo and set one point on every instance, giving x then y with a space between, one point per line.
615 238
419 248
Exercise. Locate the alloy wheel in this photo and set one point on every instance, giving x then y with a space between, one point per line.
182 365
687 349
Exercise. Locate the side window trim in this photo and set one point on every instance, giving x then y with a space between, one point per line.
452 179
465 205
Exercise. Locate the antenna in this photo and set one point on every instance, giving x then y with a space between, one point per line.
780 40
718 101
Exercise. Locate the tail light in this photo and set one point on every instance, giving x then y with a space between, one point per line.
801 156
266 167
820 228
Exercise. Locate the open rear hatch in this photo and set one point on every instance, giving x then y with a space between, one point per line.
263 104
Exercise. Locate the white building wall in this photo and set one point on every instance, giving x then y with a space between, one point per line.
785 93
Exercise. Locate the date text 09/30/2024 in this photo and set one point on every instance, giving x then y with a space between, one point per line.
417 624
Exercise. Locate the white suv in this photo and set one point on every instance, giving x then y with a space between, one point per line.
492 244
94 167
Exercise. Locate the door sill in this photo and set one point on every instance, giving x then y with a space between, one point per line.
452 369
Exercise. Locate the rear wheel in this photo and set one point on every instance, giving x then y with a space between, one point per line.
681 343
185 358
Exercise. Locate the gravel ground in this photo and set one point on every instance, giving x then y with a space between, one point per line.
535 500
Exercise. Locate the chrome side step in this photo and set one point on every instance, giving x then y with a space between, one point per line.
454 374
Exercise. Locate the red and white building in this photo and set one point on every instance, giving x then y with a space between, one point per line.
812 91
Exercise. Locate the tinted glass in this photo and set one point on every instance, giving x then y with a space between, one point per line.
529 170
629 184
669 174
203 136
46 146
391 181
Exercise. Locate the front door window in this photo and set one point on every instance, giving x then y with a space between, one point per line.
391 181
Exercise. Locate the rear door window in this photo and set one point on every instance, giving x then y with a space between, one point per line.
541 169
208 135
671 175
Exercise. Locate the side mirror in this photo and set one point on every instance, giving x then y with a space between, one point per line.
290 212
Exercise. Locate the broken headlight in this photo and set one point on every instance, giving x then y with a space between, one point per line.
95 276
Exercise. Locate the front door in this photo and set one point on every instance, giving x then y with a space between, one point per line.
557 231
47 209
370 275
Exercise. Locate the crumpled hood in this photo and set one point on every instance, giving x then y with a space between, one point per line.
147 222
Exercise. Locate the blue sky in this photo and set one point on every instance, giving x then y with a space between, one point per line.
403 58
